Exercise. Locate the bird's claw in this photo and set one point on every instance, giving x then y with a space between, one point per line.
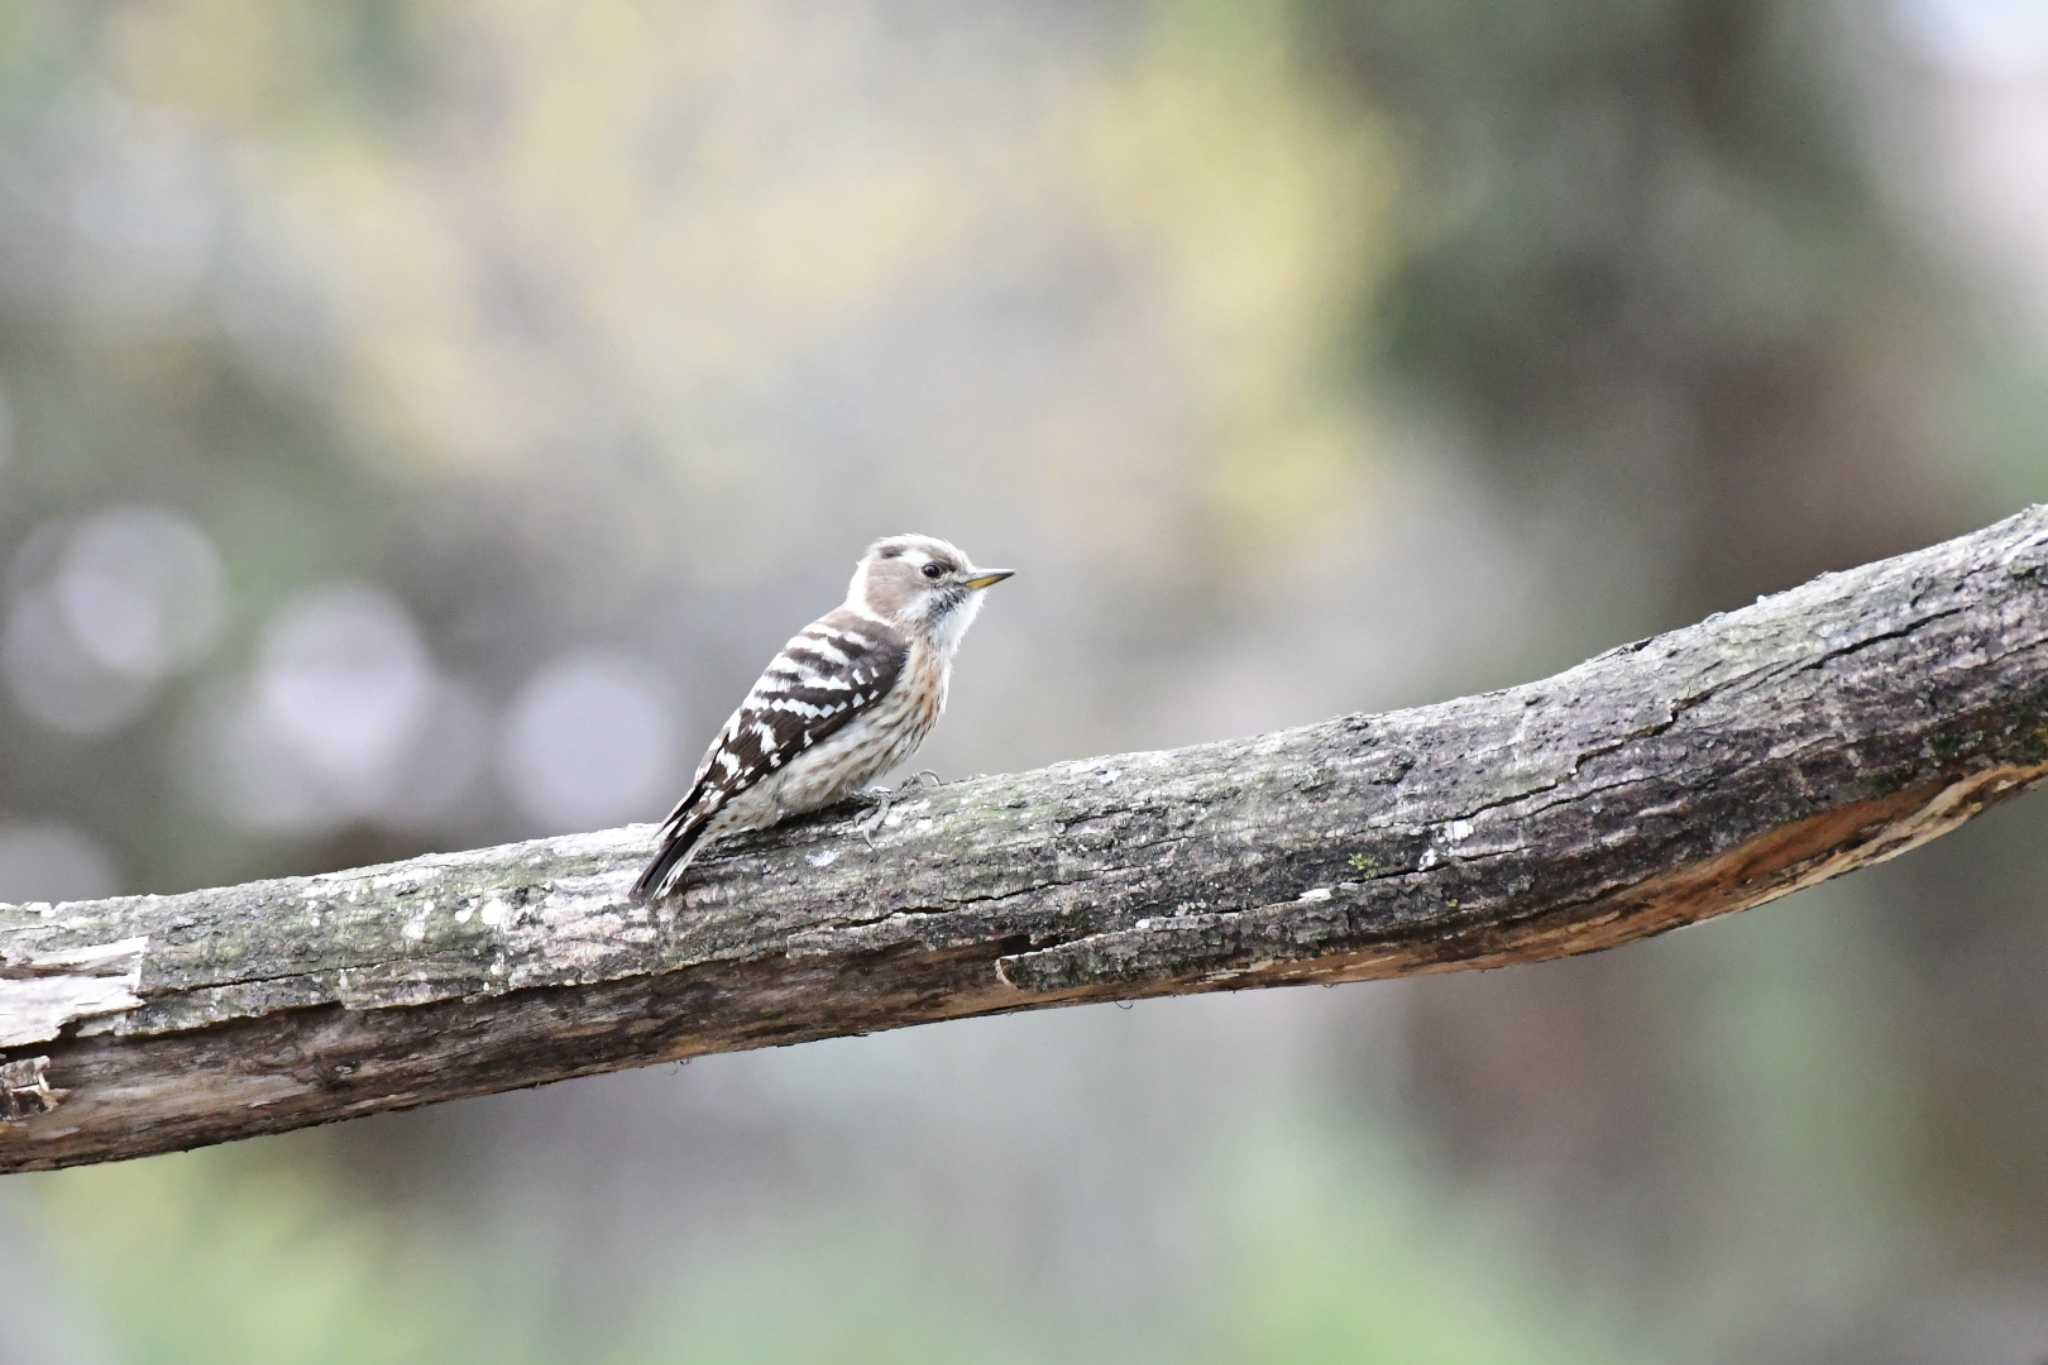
868 824
886 796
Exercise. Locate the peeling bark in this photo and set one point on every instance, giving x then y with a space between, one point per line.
1659 784
25 1091
41 992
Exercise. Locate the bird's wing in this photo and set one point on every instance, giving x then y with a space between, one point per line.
827 674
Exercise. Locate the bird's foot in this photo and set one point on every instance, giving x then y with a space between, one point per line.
885 797
872 821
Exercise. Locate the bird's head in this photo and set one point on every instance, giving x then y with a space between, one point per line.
923 585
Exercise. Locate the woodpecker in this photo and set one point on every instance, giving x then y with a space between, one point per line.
850 696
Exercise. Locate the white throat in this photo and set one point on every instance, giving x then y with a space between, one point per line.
946 638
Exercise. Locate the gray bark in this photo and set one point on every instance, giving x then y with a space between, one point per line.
1661 783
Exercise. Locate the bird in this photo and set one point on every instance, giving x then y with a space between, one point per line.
850 697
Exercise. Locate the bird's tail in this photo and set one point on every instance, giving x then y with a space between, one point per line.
679 845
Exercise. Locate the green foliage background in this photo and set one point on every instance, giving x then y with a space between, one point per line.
418 421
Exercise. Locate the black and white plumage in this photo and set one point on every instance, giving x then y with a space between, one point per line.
850 696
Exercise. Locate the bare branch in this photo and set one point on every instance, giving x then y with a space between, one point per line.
1659 784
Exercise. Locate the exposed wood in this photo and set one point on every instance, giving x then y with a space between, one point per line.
1662 783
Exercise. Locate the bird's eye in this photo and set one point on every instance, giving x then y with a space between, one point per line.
934 571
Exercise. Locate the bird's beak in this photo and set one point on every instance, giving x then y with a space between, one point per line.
987 578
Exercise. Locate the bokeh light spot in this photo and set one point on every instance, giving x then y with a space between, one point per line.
587 743
142 590
103 611
1987 37
55 681
346 686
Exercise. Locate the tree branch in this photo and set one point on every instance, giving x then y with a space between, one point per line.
1659 784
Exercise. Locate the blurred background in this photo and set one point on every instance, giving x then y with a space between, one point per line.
419 421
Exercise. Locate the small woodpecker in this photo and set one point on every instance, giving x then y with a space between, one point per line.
849 697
